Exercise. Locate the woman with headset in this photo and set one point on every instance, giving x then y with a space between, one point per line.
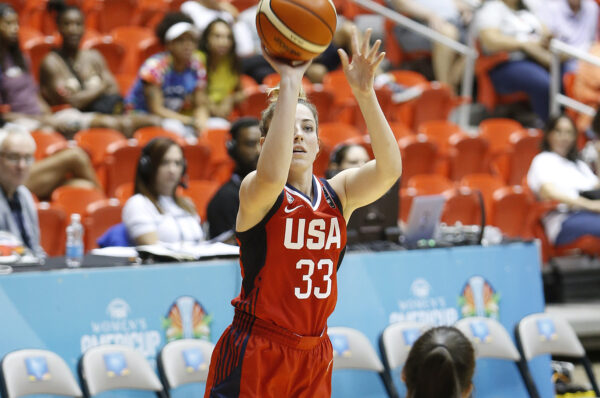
155 213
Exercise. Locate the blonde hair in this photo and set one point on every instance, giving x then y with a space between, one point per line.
267 115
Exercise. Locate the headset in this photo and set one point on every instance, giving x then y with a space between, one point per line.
232 145
232 148
145 163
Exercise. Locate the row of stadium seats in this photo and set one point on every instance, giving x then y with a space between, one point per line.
111 367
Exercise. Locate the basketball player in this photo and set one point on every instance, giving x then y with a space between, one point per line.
291 228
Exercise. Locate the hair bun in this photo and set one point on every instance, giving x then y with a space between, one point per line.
273 93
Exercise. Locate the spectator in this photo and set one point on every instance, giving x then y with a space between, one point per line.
19 92
591 151
573 22
81 78
346 156
18 214
440 363
244 148
217 45
448 17
557 174
172 84
156 213
505 26
586 87
203 12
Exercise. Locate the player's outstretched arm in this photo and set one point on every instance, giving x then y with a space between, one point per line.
360 186
260 189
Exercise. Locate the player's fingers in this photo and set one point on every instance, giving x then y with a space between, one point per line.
378 60
374 50
365 43
354 41
343 58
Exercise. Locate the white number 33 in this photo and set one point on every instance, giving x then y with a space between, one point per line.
307 278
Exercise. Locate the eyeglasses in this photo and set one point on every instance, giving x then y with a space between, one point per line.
15 158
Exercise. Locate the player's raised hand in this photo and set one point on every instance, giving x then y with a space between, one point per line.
360 71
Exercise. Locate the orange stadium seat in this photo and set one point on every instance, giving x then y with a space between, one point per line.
149 13
421 184
75 199
198 161
498 132
419 156
106 15
146 134
96 141
255 102
511 206
201 192
35 15
323 99
462 205
124 191
37 48
120 164
135 39
331 135
439 131
393 49
525 145
53 222
467 155
273 79
125 82
242 5
487 184
112 51
100 215
221 165
45 140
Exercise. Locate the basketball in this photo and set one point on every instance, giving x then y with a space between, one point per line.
295 30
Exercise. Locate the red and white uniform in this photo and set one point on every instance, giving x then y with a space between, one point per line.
289 265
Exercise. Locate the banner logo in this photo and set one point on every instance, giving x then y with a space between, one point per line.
478 298
187 319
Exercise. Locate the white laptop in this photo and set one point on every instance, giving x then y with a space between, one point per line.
424 219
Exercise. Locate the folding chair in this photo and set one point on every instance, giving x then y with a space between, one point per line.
543 333
31 371
116 367
395 343
352 350
491 340
184 361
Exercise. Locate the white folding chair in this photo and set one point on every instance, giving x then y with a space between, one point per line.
543 333
395 343
184 361
31 371
115 367
352 350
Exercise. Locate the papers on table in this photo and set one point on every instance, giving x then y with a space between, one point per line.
175 252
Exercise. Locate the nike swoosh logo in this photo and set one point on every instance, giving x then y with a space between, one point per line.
291 210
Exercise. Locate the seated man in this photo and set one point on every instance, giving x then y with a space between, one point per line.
244 148
18 214
81 79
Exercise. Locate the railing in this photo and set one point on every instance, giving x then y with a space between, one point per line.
469 53
558 48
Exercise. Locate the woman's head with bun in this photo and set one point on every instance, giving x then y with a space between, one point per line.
440 364
267 114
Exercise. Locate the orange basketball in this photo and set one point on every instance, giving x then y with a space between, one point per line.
295 30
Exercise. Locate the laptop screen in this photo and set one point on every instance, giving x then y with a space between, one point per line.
424 218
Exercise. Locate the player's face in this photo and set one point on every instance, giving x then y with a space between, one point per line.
306 141
169 171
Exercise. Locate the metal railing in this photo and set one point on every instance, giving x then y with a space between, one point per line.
469 53
558 48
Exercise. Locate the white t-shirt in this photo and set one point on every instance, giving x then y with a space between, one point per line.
567 176
175 225
494 14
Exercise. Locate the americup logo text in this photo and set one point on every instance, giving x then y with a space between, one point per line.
423 307
121 328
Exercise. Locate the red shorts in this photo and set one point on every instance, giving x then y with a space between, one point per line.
254 358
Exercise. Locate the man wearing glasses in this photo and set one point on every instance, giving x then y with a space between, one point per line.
18 214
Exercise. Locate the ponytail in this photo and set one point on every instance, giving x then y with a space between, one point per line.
445 383
440 364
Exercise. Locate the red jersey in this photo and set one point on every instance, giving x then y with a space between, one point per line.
290 260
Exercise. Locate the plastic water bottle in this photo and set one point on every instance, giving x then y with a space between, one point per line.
74 242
